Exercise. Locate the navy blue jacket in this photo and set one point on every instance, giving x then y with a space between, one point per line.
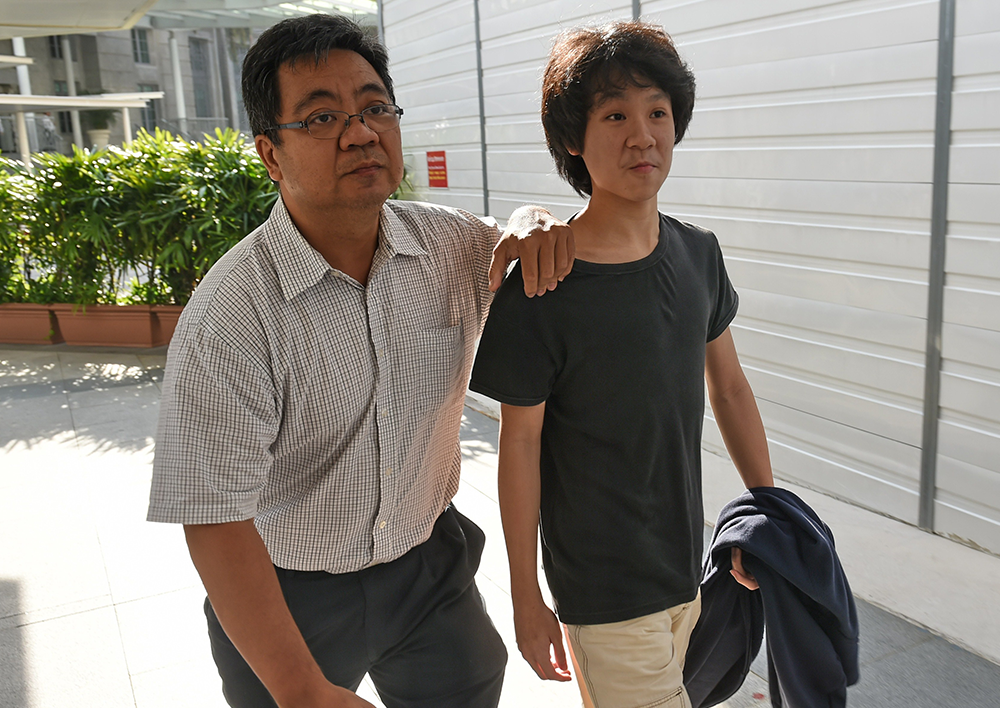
804 600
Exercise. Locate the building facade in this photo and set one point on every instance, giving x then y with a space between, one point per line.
137 60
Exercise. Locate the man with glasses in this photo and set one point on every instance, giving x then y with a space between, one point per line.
308 436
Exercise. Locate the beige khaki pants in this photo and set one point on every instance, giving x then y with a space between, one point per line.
638 663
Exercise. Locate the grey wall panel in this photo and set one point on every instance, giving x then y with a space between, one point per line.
810 155
968 479
433 63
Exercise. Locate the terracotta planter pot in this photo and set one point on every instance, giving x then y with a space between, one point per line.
105 325
25 323
164 321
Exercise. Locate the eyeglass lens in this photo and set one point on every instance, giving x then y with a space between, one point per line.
332 124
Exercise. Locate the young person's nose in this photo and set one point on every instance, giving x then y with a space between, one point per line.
641 135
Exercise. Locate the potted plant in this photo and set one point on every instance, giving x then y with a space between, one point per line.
21 321
97 122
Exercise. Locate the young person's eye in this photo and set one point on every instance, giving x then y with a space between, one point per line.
616 116
659 114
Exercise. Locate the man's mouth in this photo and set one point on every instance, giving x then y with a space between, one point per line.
366 168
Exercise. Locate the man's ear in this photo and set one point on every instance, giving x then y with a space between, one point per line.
266 150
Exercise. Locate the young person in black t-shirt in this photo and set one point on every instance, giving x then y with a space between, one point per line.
602 385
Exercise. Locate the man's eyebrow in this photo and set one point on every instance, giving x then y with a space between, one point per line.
372 87
318 94
314 96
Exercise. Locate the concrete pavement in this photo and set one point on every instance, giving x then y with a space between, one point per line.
99 607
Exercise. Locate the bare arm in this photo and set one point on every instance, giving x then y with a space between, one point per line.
535 625
238 574
740 424
542 242
736 412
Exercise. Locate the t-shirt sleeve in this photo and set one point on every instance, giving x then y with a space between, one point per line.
515 362
218 421
726 300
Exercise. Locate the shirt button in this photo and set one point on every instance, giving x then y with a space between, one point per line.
385 413
382 525
388 470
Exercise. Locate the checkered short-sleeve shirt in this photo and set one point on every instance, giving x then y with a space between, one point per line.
325 410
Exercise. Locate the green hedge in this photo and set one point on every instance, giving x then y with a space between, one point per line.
140 224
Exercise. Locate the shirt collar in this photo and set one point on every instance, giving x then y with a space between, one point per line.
300 266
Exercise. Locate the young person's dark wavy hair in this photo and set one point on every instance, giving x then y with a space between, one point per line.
310 38
586 62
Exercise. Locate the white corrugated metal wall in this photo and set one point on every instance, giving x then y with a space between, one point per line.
968 463
811 156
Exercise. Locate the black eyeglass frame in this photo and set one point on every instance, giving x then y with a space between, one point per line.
347 121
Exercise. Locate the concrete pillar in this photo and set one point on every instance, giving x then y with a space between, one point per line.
175 68
23 146
24 86
74 116
127 126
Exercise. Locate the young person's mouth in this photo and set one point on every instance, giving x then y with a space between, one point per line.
643 168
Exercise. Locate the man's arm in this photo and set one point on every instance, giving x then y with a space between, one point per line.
535 625
542 242
238 574
739 422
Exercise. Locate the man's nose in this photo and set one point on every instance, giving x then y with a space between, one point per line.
357 133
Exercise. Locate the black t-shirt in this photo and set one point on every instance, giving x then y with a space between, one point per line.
617 353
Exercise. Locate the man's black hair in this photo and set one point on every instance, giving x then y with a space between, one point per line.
310 37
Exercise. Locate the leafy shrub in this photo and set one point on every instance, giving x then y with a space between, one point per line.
140 224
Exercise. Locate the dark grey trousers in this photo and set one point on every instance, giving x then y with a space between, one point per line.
418 625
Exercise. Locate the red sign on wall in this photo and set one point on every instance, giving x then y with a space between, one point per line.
437 169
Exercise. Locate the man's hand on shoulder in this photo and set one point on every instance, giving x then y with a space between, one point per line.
542 242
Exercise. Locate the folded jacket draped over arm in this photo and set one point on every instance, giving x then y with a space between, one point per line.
804 600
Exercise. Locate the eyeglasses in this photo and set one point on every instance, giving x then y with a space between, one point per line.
330 125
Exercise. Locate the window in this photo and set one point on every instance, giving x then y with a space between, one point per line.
55 47
61 88
200 79
140 46
147 115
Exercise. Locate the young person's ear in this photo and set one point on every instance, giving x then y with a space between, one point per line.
573 151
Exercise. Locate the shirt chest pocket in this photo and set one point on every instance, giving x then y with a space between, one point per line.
431 364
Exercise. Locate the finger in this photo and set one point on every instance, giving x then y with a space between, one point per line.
529 269
559 664
547 261
498 265
746 581
565 252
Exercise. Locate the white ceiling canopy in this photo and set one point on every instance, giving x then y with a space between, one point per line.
198 14
32 18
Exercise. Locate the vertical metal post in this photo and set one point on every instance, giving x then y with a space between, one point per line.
381 25
175 68
636 9
74 116
482 111
935 295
